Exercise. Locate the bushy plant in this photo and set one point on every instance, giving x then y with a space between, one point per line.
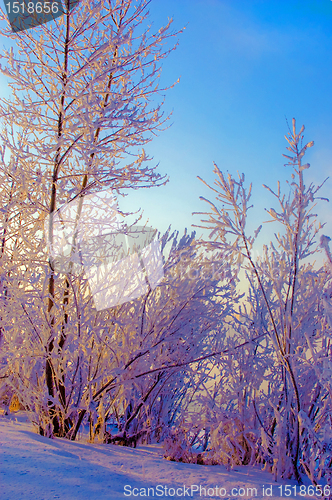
282 327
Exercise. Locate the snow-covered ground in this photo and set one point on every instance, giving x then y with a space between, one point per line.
38 468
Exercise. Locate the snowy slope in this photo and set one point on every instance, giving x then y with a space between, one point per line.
38 468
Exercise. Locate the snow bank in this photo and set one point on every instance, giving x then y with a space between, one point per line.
38 468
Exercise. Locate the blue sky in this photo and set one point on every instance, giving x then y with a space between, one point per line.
244 67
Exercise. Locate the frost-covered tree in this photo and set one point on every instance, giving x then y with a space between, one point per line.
275 396
157 342
85 100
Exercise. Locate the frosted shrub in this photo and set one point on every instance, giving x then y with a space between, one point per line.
178 447
231 444
174 325
283 327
